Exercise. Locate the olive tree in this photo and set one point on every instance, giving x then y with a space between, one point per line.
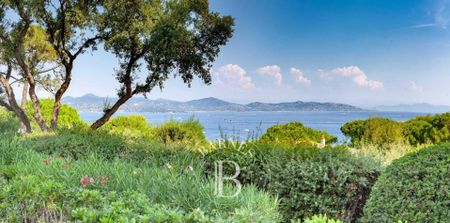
175 37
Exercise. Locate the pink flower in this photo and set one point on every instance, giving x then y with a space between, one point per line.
86 180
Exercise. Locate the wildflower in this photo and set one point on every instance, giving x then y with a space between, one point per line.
103 180
169 166
48 161
86 180
190 168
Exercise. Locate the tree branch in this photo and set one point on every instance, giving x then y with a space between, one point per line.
85 45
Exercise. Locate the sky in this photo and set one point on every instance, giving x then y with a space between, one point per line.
359 52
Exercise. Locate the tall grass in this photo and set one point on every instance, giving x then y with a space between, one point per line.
174 184
386 154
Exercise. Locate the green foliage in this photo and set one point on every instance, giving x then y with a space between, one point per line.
130 127
306 180
318 219
188 133
377 131
68 116
413 189
294 134
8 122
420 131
381 132
50 186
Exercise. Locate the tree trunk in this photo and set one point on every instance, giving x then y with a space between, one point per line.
32 89
25 122
58 96
23 105
24 95
109 112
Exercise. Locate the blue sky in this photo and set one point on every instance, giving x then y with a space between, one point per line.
353 51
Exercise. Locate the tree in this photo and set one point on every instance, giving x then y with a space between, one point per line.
67 24
177 36
6 90
28 55
14 38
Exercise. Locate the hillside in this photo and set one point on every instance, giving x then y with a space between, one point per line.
91 102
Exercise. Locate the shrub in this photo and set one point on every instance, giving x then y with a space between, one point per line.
422 133
188 133
306 180
381 131
132 127
375 131
413 189
294 134
68 116
8 122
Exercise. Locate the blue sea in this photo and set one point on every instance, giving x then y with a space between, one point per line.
241 125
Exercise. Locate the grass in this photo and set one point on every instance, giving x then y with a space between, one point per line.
174 184
387 154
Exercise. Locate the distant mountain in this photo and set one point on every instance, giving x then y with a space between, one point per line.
421 107
301 106
91 102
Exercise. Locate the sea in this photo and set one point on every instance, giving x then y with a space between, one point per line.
247 125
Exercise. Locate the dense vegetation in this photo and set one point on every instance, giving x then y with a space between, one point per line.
131 171
294 134
430 129
307 180
416 188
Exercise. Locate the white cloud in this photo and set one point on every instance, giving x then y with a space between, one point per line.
358 76
299 77
413 86
273 71
234 75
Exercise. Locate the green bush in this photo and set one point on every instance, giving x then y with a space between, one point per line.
131 127
429 129
306 180
375 131
188 133
414 188
294 134
68 116
381 131
8 122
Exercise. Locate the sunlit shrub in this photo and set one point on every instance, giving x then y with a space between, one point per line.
132 127
294 134
68 116
188 133
376 131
